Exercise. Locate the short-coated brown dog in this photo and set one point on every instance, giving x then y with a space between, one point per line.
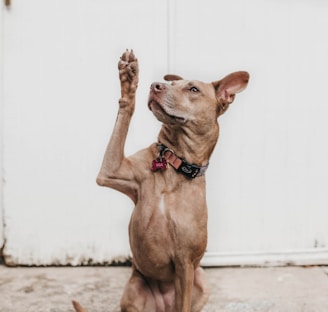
166 182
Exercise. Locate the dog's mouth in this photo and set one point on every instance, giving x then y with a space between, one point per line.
156 107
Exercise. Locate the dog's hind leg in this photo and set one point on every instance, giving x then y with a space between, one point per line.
137 296
200 292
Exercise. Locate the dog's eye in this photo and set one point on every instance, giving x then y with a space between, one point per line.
194 89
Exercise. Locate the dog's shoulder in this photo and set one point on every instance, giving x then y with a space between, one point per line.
141 161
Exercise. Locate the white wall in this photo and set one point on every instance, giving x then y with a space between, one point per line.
268 175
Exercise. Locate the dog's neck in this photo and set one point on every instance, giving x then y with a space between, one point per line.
194 148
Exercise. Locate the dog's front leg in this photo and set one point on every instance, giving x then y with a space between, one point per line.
183 286
116 170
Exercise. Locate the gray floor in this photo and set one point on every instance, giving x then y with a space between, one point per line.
286 289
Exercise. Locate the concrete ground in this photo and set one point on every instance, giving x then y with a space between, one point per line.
285 289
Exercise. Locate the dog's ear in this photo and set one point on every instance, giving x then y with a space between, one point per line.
172 77
227 88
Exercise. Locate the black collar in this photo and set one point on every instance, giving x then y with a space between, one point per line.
191 171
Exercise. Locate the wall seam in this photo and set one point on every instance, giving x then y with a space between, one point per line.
2 99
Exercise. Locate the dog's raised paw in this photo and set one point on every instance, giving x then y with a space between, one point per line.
128 67
129 75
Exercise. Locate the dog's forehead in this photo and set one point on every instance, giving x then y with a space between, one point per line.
189 83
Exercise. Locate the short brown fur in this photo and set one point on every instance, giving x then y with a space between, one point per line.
168 226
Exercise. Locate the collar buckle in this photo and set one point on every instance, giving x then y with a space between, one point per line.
191 171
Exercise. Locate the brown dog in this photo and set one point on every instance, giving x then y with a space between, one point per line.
166 181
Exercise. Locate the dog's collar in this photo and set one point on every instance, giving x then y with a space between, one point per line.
179 164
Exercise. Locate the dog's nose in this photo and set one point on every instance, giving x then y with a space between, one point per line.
157 87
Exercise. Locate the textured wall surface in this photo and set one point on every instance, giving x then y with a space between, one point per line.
267 180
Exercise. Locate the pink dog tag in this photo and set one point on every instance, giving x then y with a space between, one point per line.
159 164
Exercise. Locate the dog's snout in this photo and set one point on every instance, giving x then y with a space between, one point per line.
157 87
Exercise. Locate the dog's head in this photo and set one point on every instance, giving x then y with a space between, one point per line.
191 102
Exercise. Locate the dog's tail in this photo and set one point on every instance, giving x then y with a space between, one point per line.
78 307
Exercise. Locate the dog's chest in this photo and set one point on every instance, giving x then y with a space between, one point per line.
167 218
170 196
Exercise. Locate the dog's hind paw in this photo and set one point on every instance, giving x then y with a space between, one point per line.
78 307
